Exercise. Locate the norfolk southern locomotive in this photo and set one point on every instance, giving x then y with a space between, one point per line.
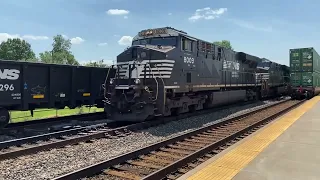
167 72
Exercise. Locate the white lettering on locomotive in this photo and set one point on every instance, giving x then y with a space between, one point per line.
231 65
10 74
188 60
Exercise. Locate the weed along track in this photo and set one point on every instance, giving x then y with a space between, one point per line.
173 157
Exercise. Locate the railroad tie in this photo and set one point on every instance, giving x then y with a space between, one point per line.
122 174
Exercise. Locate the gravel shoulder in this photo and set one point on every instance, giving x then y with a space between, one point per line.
50 164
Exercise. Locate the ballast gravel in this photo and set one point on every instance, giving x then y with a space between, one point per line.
56 162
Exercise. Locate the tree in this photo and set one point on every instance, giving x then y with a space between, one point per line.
16 49
60 44
60 53
46 57
96 64
224 43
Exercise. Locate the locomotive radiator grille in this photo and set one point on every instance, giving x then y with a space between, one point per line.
154 68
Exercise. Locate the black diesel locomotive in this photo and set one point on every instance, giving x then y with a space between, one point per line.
167 72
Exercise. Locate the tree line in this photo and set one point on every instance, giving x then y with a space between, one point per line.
224 43
20 50
17 49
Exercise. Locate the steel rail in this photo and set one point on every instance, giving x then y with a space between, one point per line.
54 120
29 145
178 164
99 167
44 137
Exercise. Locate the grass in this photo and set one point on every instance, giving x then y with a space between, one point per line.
21 116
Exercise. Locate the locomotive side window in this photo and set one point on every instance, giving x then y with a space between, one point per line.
187 45
184 46
136 42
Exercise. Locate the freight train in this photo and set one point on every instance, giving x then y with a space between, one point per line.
305 72
27 86
167 72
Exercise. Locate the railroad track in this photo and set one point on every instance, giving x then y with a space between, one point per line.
30 145
171 158
42 126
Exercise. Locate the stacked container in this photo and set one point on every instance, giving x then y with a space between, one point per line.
305 68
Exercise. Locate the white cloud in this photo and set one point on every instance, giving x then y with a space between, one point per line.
169 14
252 26
125 40
117 12
207 14
35 37
103 44
77 40
109 61
6 36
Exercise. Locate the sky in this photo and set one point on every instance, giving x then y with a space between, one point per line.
102 29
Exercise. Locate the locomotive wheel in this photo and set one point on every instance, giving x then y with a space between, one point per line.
4 117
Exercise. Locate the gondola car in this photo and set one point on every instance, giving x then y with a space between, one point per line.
27 86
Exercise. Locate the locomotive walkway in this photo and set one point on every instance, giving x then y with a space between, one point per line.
287 148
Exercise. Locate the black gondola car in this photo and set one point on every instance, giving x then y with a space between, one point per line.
26 86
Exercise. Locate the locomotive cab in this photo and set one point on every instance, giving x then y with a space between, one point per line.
139 81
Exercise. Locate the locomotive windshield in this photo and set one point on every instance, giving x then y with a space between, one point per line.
264 64
163 41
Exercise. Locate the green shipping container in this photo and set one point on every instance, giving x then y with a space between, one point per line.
304 60
305 79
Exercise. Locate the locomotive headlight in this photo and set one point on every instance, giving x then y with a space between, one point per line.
137 81
111 81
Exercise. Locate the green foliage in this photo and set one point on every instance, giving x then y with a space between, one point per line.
224 43
46 57
16 49
96 64
60 44
60 53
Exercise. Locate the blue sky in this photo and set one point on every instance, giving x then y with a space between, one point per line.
262 28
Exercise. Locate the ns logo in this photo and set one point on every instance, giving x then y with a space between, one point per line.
9 74
188 60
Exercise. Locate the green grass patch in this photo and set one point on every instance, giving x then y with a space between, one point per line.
21 116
